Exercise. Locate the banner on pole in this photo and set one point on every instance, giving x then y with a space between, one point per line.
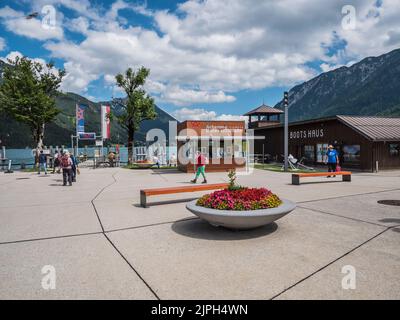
86 135
80 118
105 122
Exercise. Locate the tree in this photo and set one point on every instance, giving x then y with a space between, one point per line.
136 107
28 94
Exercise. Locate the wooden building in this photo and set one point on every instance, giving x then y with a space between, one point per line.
263 116
222 142
364 143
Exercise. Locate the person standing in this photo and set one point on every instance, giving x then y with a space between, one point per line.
74 167
156 161
200 167
66 165
56 161
111 158
42 162
333 159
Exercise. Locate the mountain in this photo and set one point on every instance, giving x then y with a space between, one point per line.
369 87
17 135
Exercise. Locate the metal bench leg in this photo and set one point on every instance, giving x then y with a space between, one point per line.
143 200
346 178
295 180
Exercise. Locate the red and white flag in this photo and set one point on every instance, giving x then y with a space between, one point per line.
105 122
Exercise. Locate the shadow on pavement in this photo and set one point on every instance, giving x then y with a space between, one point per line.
390 220
159 203
165 171
318 182
199 229
396 230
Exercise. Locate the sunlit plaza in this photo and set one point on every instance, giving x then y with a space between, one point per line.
339 243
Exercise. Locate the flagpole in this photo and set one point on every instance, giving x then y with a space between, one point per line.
76 127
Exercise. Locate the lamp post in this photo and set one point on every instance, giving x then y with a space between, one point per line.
286 133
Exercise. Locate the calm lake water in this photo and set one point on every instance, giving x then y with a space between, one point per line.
26 156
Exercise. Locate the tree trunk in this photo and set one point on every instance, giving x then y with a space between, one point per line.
131 133
38 135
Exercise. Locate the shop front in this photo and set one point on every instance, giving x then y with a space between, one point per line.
364 143
222 142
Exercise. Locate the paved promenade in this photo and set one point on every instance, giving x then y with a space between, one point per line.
103 245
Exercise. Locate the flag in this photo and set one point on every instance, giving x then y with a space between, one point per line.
80 118
105 122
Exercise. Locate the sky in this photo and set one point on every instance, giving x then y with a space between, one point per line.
209 59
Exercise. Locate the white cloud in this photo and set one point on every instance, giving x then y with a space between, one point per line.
8 13
80 25
210 49
202 114
2 44
11 56
15 22
181 97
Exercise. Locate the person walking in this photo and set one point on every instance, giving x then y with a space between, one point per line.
156 161
56 161
42 162
201 167
66 165
333 159
74 167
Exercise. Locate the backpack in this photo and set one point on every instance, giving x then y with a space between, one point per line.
64 161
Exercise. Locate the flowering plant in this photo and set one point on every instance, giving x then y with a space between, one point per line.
240 199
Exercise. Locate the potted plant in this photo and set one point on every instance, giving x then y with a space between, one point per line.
239 207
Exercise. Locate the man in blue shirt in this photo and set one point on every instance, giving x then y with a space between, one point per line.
42 162
333 159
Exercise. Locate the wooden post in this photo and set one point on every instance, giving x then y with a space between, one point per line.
296 179
143 199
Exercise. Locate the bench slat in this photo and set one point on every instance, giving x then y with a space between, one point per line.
346 175
322 174
182 189
144 193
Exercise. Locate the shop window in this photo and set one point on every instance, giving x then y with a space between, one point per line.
394 149
351 153
309 153
322 149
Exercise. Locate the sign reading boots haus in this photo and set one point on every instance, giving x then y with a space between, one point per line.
302 134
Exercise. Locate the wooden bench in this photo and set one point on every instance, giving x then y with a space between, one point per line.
346 175
192 188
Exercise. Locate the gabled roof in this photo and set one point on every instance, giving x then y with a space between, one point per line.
374 128
264 110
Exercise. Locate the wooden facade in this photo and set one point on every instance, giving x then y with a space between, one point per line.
309 139
212 139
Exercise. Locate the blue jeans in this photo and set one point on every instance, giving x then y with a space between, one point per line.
44 165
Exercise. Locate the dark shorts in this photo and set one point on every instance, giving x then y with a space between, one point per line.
331 167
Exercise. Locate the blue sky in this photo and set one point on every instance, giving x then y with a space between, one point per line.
208 59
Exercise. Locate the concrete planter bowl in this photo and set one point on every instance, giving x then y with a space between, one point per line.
241 220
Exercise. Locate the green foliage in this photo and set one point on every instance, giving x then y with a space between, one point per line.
232 178
27 94
232 181
138 105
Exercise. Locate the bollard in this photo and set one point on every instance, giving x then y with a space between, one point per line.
9 167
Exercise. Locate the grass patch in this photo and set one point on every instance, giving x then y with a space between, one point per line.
31 170
278 168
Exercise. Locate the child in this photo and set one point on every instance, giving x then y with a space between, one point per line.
200 166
